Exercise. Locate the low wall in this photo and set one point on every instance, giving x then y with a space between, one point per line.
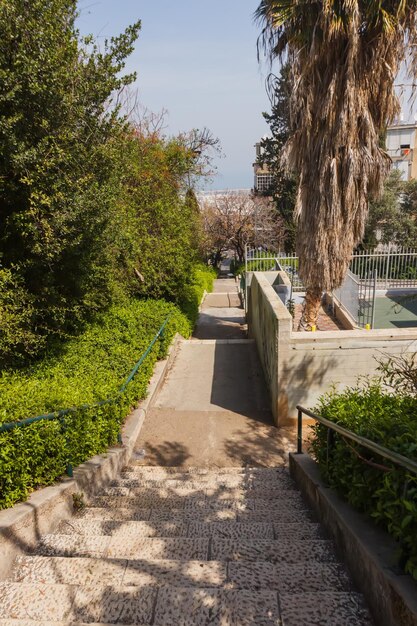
269 323
301 366
279 281
369 552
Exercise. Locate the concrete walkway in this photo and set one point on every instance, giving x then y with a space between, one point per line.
222 316
213 410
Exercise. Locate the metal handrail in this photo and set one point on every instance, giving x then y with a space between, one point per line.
399 459
63 412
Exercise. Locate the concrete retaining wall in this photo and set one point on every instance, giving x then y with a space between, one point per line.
300 366
269 323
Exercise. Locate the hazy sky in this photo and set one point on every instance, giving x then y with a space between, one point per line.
197 60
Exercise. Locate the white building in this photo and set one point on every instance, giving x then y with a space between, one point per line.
401 147
263 179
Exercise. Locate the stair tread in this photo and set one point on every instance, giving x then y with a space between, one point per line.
145 572
197 502
176 605
185 548
25 622
212 607
272 550
132 513
189 528
167 528
226 481
286 577
325 607
95 603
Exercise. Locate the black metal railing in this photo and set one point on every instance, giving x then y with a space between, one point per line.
399 459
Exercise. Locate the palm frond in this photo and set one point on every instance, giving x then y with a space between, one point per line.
346 55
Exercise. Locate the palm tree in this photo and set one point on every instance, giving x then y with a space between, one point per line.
345 56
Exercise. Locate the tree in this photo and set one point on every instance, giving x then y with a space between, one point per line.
392 218
233 220
61 134
344 59
284 185
164 222
200 145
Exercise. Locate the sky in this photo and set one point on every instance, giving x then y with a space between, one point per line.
198 61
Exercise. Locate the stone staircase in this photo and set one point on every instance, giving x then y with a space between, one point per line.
179 547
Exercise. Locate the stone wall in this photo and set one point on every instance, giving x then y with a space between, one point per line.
299 367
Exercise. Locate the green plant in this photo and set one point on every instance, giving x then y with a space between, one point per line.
291 306
201 280
88 369
399 372
78 502
62 230
373 485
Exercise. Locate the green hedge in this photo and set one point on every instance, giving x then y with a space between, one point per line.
389 497
201 280
89 368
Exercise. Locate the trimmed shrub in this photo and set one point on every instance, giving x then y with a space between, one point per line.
371 484
192 293
89 369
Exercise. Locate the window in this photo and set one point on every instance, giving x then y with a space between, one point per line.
264 182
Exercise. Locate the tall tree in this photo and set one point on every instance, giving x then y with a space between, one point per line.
344 59
283 188
60 137
392 218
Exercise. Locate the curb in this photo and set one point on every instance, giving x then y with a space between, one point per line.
203 297
369 552
22 526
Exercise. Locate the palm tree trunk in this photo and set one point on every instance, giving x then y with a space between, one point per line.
312 303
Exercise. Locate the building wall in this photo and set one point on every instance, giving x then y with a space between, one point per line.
404 159
299 367
263 179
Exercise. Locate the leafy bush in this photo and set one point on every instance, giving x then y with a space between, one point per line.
370 483
164 223
201 280
17 313
62 229
89 369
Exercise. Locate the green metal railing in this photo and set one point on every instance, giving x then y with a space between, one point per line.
399 459
61 414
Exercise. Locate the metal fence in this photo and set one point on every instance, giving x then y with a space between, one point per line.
396 267
388 267
265 261
289 263
357 297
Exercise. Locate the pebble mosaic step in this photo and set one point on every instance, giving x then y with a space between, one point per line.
198 502
174 529
235 489
195 547
285 577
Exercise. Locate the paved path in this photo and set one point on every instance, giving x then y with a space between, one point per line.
213 409
219 544
222 316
